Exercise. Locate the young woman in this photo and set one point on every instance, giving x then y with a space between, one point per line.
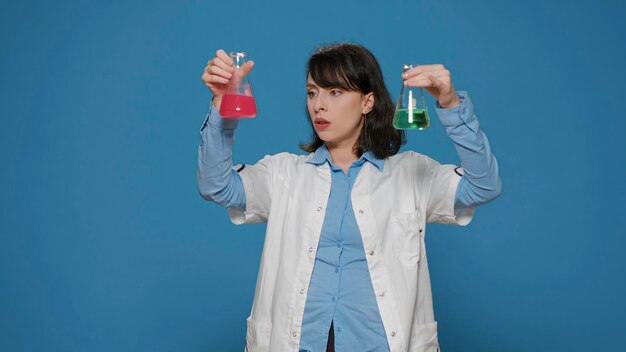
344 263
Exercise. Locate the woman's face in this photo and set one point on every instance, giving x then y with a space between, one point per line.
336 113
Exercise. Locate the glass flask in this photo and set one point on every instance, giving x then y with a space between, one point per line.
411 112
238 101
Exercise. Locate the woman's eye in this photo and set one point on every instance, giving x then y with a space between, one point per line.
310 94
335 92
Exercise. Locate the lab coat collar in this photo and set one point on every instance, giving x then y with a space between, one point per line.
322 155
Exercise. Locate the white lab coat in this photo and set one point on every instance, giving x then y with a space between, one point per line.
391 207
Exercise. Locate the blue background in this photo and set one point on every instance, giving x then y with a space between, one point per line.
107 246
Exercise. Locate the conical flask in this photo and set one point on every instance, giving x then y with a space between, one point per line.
238 101
411 112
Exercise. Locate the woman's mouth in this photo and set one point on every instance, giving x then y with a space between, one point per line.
321 123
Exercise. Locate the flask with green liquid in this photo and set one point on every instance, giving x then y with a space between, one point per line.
411 112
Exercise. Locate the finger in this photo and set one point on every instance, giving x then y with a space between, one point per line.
421 69
224 57
208 79
219 72
439 73
221 64
208 66
425 68
247 67
443 75
422 83
442 80
424 72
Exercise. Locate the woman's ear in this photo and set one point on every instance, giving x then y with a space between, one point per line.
368 102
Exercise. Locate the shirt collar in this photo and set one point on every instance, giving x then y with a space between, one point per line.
322 155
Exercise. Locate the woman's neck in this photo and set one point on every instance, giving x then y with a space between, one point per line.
342 156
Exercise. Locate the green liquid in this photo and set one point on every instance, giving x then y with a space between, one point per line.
420 119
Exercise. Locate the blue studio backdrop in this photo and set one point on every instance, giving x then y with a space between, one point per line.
106 245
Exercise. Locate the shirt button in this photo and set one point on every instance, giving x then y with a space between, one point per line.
361 211
371 252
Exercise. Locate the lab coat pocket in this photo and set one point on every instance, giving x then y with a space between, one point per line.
258 336
424 338
407 240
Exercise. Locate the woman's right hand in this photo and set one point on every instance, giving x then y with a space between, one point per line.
218 71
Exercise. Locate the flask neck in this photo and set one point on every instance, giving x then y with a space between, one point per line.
406 67
239 58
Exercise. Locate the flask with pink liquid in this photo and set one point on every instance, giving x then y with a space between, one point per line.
238 101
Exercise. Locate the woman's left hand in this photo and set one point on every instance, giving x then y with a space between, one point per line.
436 80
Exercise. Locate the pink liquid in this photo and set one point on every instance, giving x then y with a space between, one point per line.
236 106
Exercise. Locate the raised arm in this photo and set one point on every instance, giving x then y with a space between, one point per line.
480 180
217 181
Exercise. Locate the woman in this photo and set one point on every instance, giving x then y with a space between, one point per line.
344 264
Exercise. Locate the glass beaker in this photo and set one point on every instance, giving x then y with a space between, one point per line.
238 101
411 111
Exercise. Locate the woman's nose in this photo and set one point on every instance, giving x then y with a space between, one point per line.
319 104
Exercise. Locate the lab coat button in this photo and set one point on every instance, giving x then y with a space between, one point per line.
294 334
371 252
393 334
361 211
381 294
301 291
319 208
311 249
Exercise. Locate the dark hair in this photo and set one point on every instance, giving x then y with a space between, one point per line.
352 67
